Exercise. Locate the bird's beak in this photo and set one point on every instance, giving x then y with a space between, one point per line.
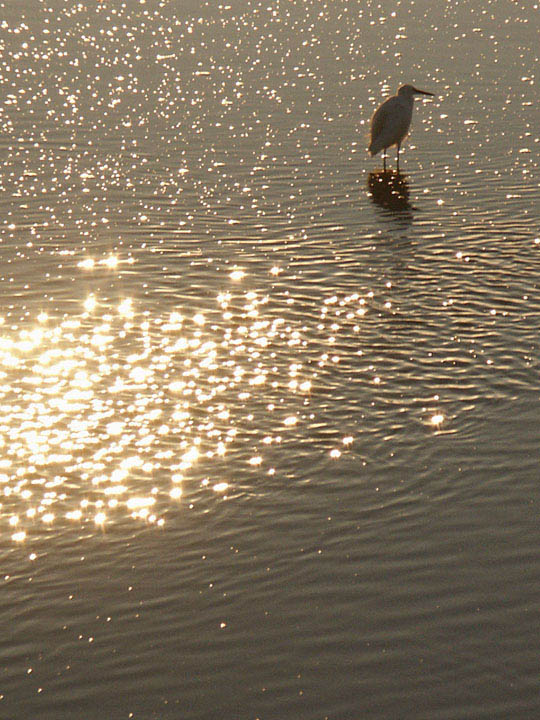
424 92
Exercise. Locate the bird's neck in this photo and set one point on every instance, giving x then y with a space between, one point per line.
406 100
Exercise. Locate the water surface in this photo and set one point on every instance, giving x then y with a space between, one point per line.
269 420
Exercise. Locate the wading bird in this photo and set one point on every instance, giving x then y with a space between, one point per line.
390 122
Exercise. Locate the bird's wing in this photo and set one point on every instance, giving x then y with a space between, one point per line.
378 121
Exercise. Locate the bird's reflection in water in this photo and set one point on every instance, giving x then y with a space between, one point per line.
390 190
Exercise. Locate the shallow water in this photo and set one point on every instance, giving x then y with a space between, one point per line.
269 418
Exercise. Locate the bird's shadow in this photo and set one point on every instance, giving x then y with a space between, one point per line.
390 190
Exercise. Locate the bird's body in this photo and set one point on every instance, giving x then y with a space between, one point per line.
391 121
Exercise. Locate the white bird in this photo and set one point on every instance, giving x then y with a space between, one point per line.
391 121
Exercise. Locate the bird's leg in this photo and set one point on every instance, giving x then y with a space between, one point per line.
384 160
398 147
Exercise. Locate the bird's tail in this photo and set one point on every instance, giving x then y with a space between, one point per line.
374 148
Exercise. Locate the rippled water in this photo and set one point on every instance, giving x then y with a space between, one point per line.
270 419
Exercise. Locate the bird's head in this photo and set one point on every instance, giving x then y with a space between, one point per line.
409 91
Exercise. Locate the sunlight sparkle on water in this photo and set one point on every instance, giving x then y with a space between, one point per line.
125 308
86 264
110 262
96 408
135 503
90 303
237 275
